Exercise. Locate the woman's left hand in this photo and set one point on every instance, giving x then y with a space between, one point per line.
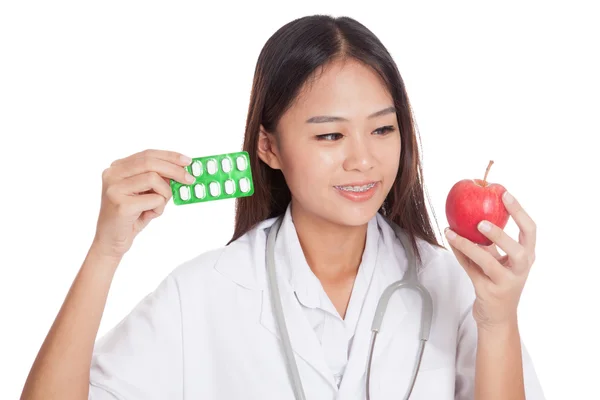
498 280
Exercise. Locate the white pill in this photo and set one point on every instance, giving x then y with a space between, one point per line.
244 185
215 189
184 193
196 168
226 165
241 163
211 166
200 191
229 186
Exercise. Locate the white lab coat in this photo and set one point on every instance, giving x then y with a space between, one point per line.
208 332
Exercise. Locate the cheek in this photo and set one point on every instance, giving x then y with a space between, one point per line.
390 157
307 163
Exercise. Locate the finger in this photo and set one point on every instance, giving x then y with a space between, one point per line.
144 202
149 181
515 252
488 264
473 271
139 166
148 216
166 155
511 247
493 250
159 211
527 226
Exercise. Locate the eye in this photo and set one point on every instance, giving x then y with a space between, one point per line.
329 136
384 130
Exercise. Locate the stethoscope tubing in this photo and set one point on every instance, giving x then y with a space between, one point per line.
409 281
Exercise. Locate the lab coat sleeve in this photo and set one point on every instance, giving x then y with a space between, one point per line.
467 351
141 357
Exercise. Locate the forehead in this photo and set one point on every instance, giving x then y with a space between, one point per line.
343 88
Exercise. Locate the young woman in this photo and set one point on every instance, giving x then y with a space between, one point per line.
334 154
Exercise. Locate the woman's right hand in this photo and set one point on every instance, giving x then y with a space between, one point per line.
135 190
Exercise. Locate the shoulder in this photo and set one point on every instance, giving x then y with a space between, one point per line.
438 261
443 274
235 264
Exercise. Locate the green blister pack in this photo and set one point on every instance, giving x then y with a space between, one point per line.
218 177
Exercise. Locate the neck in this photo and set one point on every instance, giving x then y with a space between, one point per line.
333 251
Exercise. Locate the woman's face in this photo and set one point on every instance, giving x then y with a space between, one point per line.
338 146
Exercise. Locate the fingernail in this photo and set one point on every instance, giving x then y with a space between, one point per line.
449 233
190 178
484 226
507 197
185 159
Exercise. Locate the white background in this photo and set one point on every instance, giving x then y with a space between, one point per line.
83 83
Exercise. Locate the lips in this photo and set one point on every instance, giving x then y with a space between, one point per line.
358 191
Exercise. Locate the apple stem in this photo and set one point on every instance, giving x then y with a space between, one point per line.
487 171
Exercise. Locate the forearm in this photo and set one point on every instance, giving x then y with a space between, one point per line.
61 368
499 365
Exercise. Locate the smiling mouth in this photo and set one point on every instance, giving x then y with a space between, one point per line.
356 188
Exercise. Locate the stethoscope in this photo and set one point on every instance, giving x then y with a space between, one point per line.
409 281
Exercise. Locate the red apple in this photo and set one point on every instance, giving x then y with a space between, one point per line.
472 200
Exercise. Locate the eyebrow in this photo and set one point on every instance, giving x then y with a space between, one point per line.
327 118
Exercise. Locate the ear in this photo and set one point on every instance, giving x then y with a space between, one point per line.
267 149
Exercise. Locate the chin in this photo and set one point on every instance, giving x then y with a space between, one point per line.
340 210
355 216
351 214
351 210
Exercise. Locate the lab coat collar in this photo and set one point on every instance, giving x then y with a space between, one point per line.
295 269
302 337
391 264
305 283
305 344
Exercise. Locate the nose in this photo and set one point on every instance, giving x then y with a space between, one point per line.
359 156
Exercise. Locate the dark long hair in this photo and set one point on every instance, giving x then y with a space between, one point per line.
289 58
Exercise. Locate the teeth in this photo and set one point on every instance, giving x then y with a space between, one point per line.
363 188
